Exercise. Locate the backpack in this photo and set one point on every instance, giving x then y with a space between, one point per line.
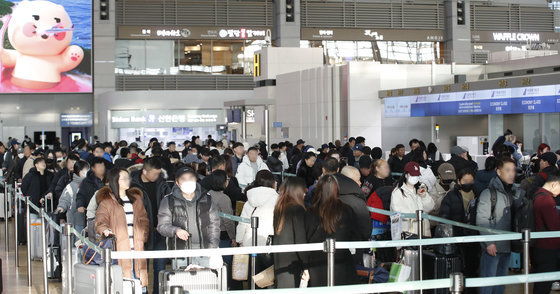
524 218
470 215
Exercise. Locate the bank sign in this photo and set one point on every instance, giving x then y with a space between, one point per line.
166 118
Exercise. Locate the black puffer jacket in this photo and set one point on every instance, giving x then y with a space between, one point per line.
88 187
452 208
352 195
31 185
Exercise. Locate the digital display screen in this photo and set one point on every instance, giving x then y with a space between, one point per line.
46 46
538 99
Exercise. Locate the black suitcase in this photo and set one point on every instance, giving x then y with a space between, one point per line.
437 266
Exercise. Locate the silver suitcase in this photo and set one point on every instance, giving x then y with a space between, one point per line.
91 279
35 232
410 258
76 258
199 280
2 203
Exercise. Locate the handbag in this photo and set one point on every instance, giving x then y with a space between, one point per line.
265 267
90 256
399 273
413 228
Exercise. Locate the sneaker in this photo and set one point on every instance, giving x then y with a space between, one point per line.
556 286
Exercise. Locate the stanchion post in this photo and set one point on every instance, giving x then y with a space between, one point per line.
254 228
6 211
526 238
44 250
107 269
330 248
16 219
420 223
28 230
176 290
457 283
68 265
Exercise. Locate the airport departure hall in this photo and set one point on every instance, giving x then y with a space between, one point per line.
280 146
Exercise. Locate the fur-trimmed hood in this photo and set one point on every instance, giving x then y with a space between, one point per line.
106 193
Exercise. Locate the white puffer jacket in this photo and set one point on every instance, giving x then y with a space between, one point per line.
260 203
410 202
245 174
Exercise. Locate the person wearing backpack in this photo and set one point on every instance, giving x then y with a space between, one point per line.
494 211
544 257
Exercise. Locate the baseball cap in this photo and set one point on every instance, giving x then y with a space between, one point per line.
446 171
412 168
324 146
358 147
38 151
365 162
184 170
300 141
14 142
311 149
457 150
549 157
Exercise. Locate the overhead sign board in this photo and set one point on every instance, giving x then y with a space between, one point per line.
371 34
166 118
537 99
191 32
76 120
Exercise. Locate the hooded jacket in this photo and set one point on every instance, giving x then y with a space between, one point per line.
260 203
353 196
111 216
68 198
205 221
505 202
245 174
88 187
406 200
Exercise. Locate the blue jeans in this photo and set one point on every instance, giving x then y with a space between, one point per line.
493 266
159 263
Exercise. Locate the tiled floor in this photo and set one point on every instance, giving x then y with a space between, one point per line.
16 281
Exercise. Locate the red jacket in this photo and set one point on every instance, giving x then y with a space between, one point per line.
546 218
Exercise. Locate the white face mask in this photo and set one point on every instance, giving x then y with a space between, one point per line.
188 187
20 155
413 180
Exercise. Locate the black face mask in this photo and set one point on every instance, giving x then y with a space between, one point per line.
467 187
447 182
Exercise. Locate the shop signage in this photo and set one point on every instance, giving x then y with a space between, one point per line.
514 37
197 33
76 120
340 34
250 115
166 118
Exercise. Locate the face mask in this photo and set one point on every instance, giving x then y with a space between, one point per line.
447 182
413 180
467 187
59 159
20 155
188 187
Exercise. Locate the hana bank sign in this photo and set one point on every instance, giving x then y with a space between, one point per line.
516 37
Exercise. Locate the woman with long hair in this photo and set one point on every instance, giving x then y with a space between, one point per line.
289 214
329 217
121 213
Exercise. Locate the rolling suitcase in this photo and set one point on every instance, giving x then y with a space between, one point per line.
35 243
410 258
199 280
2 203
91 279
76 258
438 266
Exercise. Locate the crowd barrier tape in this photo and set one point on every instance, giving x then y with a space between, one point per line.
234 218
87 242
510 280
543 235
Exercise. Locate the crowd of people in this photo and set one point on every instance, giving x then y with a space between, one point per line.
162 198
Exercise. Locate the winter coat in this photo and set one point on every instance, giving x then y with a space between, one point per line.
453 208
460 163
60 181
88 187
396 164
406 200
305 172
245 174
30 185
223 203
67 200
437 194
344 267
288 266
505 202
172 219
351 194
482 180
260 203
235 162
372 183
111 216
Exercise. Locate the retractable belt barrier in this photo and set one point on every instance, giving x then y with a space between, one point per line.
234 218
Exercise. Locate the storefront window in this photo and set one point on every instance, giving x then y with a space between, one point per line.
142 136
151 57
340 52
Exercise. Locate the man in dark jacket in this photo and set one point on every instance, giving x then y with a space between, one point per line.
188 213
37 182
237 158
396 162
460 159
262 148
124 161
347 152
93 182
154 187
352 195
547 164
